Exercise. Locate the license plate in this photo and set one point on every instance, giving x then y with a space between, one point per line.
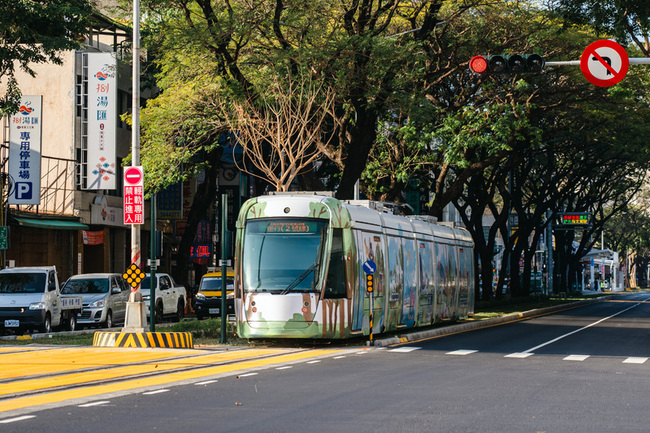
213 310
12 323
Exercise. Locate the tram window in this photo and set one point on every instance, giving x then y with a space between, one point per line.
277 252
335 283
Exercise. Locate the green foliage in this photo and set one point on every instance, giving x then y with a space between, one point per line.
36 32
179 126
206 331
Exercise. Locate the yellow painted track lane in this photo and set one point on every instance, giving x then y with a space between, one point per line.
14 365
90 391
207 359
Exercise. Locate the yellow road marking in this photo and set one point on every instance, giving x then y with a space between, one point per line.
68 359
15 387
84 392
626 301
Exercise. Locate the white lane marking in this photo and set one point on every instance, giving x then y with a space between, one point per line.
247 375
404 349
95 403
286 367
207 382
315 361
462 352
635 360
578 358
519 355
20 418
533 349
158 391
340 357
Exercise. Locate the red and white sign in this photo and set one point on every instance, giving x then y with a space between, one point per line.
93 237
604 63
133 195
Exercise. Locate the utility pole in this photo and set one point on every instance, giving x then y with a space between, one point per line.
549 250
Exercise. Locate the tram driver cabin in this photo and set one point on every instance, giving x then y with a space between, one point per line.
299 268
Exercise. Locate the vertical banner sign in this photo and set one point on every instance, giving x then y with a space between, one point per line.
133 195
102 120
25 151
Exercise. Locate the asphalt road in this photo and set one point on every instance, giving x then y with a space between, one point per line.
580 370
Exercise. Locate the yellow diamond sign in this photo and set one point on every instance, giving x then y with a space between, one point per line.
134 275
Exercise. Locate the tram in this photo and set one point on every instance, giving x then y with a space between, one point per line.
299 268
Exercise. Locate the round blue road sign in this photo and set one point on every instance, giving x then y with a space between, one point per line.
369 267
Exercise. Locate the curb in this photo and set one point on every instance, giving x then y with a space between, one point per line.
463 327
178 340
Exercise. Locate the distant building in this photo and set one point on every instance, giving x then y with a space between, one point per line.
74 220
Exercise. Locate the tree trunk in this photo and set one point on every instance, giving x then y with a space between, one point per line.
362 137
203 200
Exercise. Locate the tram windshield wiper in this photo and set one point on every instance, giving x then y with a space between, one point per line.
299 278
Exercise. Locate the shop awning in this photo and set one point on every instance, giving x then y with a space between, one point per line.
51 224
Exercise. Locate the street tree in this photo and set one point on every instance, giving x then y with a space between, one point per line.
34 32
626 20
284 131
369 54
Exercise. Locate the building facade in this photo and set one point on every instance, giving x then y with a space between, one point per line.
75 221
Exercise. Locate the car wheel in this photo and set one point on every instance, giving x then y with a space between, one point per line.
159 312
109 319
180 311
47 324
72 323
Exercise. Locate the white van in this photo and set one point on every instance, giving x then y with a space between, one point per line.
30 299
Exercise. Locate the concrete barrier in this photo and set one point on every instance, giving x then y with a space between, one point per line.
181 340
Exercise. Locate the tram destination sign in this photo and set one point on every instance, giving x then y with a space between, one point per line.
573 220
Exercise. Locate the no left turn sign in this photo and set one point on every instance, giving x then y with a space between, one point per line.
604 63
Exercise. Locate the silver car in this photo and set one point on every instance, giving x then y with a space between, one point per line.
104 298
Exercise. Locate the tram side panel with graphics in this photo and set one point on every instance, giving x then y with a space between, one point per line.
299 269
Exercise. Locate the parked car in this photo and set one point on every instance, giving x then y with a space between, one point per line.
171 298
30 298
208 298
104 298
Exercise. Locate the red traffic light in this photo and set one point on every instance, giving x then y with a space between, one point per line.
478 64
507 63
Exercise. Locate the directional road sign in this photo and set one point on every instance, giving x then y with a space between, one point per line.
604 63
369 267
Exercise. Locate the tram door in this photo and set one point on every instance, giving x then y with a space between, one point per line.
409 293
370 246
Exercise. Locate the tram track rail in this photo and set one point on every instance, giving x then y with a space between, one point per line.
12 388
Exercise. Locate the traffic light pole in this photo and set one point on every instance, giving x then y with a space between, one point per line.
224 265
633 61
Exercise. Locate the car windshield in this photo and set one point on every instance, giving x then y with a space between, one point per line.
82 287
214 283
22 283
282 255
146 284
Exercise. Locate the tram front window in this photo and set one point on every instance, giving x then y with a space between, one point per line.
282 255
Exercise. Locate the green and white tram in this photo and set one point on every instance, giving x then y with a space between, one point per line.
299 268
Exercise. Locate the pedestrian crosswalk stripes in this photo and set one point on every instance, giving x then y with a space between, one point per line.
519 355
